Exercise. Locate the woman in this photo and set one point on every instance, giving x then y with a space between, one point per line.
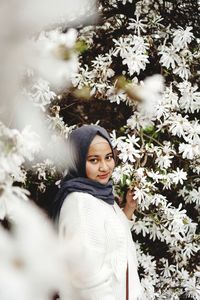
104 264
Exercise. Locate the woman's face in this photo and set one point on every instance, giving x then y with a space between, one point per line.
100 161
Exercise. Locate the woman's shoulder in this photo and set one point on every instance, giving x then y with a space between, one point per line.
79 196
80 199
80 205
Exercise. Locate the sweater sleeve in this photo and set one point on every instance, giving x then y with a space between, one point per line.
82 231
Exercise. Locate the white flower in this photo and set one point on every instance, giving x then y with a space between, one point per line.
167 270
171 98
148 263
114 138
116 96
193 196
193 135
121 171
135 62
190 97
133 139
139 194
178 176
149 92
137 25
121 46
190 249
83 77
159 200
138 44
139 120
164 161
40 93
189 151
127 152
179 125
182 37
148 286
182 70
101 66
56 123
192 288
28 143
141 227
155 233
44 168
49 53
169 57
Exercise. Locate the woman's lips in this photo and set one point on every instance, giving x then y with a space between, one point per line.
103 176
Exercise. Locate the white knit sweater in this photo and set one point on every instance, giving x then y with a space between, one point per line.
103 249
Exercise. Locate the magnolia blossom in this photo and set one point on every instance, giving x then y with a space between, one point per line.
156 233
115 140
102 66
135 62
164 161
193 196
16 147
192 287
132 50
40 94
182 70
189 151
170 98
32 255
121 171
182 37
116 96
56 123
179 125
43 168
139 195
190 97
141 227
139 120
121 46
178 176
148 263
190 249
158 146
169 57
137 25
83 77
53 57
167 270
128 151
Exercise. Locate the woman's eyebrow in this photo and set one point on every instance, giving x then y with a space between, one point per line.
93 155
96 155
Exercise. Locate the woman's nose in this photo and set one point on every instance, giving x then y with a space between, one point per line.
103 166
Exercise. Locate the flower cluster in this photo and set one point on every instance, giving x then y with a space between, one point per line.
34 265
158 146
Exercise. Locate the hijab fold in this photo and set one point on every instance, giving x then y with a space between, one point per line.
76 180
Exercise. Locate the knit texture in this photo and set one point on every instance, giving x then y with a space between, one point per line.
101 246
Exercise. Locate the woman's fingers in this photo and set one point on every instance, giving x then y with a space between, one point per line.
132 203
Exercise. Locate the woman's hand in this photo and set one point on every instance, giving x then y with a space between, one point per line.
131 204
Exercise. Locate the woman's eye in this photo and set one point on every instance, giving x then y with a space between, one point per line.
109 157
93 160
